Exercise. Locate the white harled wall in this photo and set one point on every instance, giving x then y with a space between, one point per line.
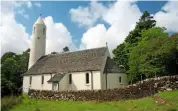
113 80
78 81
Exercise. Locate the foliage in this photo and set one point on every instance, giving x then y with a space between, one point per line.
12 68
121 53
65 49
152 55
8 102
54 52
145 104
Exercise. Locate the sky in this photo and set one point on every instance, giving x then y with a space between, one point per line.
79 25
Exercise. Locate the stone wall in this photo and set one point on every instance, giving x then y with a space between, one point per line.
141 89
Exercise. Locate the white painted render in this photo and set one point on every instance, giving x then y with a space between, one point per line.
78 81
113 80
38 44
26 84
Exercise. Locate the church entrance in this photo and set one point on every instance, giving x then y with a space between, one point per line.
55 86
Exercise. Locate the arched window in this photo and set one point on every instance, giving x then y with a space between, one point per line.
120 79
70 78
42 79
30 80
87 78
43 31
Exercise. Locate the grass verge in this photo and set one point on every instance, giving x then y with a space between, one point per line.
169 98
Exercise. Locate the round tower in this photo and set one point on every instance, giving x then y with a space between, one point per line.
38 45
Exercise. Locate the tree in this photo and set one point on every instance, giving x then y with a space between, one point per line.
8 72
65 49
152 55
122 51
54 52
12 68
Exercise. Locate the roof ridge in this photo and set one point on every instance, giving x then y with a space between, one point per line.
76 51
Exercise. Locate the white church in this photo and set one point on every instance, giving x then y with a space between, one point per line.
90 69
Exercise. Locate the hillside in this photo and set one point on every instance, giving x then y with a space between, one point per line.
166 101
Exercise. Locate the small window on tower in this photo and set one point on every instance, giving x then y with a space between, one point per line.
38 37
43 31
34 30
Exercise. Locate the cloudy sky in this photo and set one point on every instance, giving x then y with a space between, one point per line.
79 25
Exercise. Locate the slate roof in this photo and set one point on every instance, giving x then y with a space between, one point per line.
91 59
111 67
56 77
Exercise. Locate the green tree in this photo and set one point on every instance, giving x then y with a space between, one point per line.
65 49
8 71
12 68
122 51
152 55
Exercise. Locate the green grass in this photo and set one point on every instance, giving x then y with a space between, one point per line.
8 102
145 104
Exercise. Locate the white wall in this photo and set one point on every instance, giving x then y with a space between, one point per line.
113 80
78 81
25 84
46 85
37 82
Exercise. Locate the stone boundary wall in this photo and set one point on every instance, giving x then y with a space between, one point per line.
141 89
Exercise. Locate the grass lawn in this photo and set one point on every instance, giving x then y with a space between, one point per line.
145 104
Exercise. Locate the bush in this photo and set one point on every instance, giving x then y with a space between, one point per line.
9 101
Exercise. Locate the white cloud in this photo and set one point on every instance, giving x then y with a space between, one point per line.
87 16
57 36
29 4
122 17
168 16
37 4
15 38
13 35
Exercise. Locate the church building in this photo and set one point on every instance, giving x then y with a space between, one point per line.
90 69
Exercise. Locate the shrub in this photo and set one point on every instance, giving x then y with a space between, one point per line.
9 101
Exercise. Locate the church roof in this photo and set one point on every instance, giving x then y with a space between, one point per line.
56 77
85 60
111 67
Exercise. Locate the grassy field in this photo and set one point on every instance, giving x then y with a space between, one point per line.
170 103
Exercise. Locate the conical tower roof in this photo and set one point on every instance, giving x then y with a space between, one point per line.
40 20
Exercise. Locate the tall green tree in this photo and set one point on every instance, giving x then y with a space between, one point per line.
12 68
122 51
152 55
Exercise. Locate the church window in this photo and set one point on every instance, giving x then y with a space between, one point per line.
30 80
38 37
87 78
70 78
120 79
34 30
43 31
42 79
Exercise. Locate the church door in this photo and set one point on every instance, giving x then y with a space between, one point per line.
55 86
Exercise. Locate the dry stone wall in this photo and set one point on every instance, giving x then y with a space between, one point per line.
141 89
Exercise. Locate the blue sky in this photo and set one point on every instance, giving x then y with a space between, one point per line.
60 13
85 22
